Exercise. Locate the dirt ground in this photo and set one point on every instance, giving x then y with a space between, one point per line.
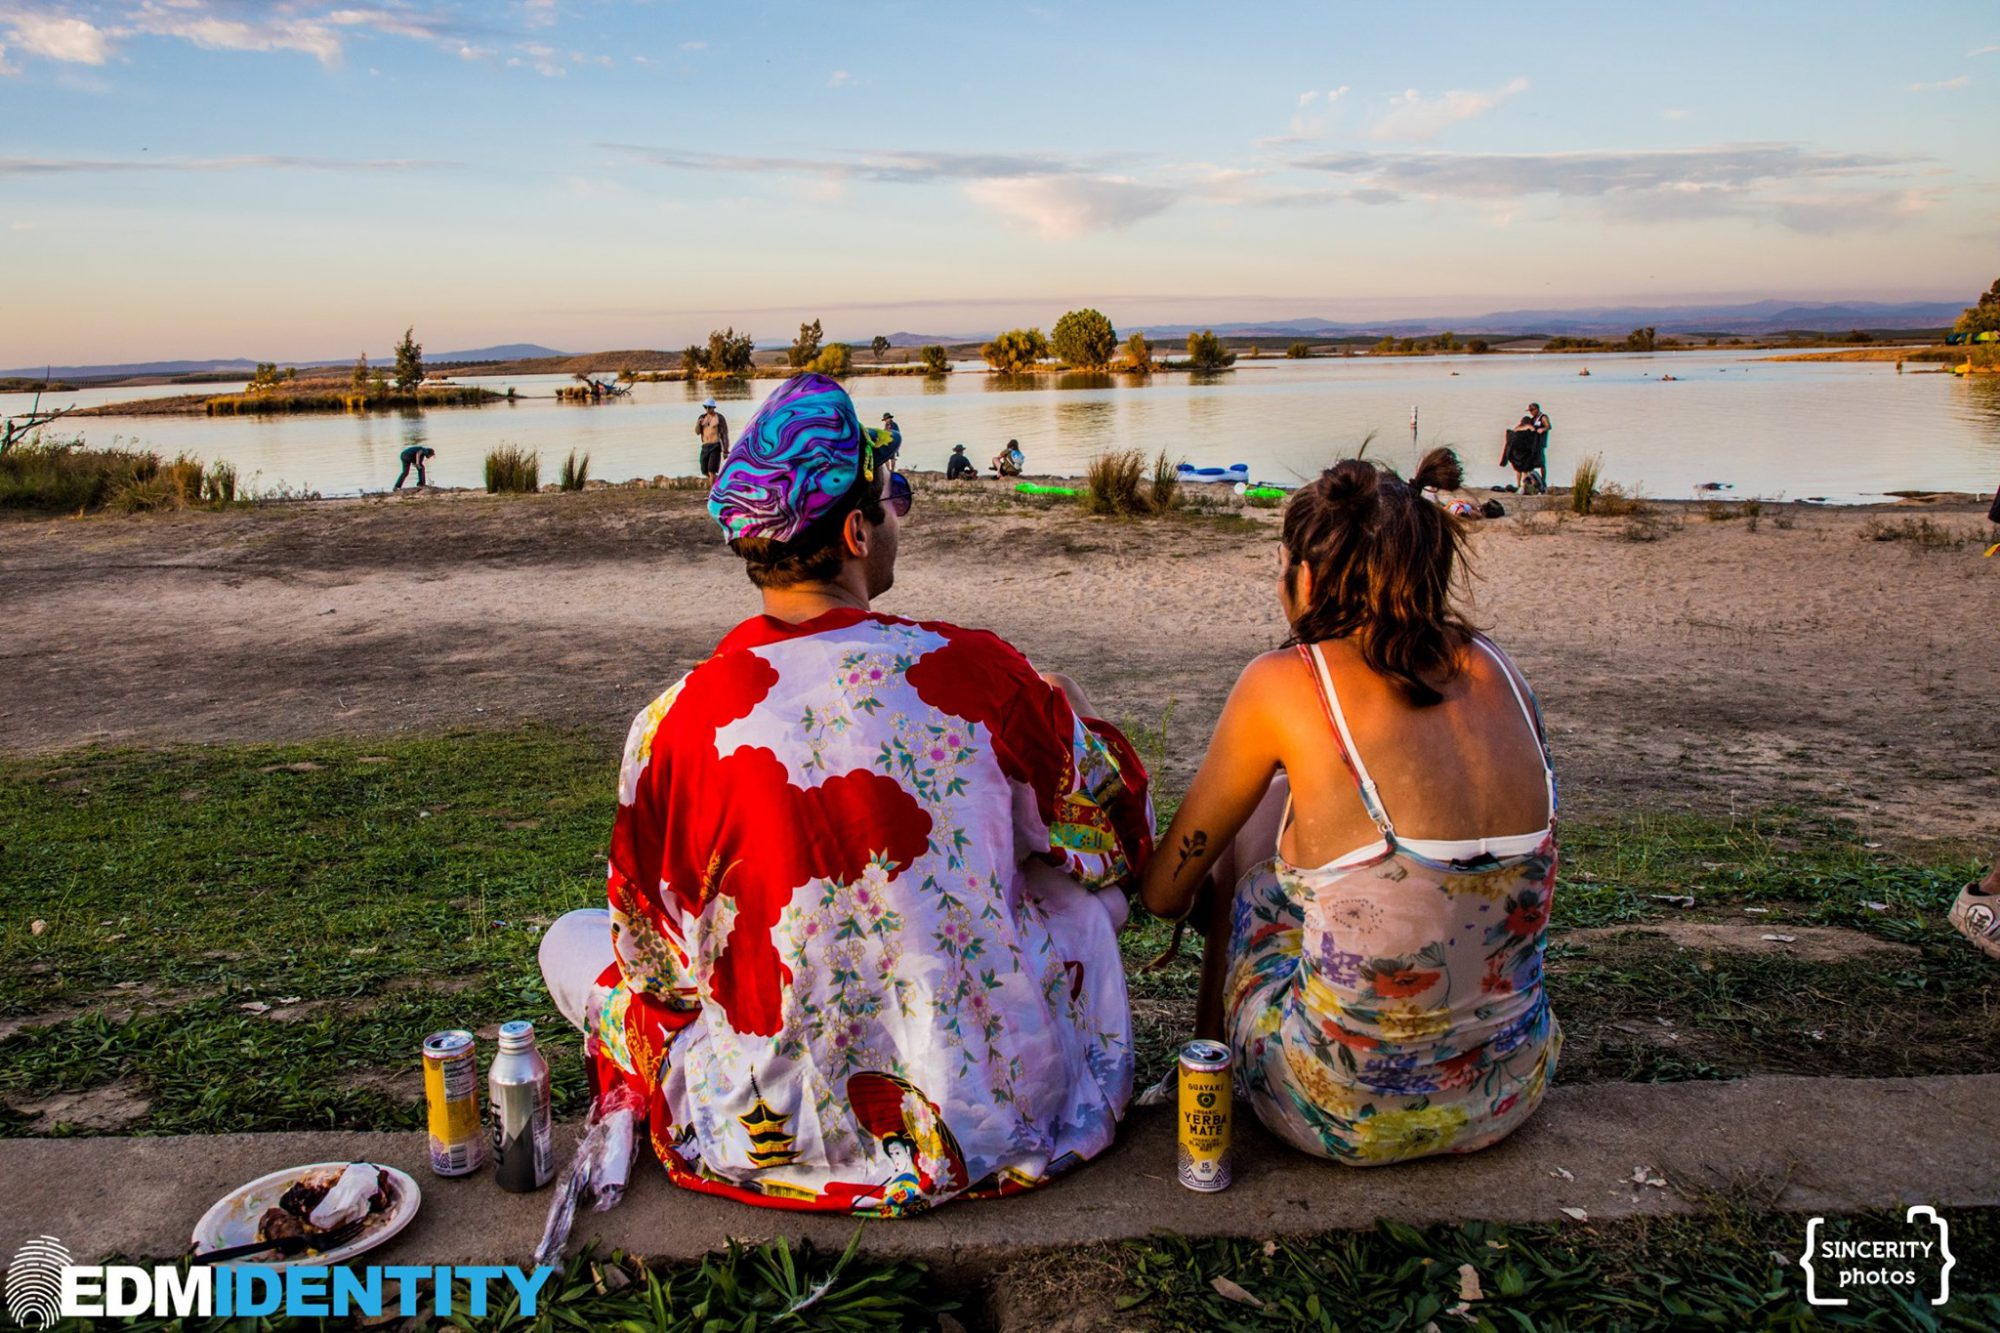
1712 667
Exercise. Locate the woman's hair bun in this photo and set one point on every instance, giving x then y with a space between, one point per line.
1439 470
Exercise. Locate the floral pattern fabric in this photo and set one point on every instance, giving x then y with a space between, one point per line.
859 964
1393 1008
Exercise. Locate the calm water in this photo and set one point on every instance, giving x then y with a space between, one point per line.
1844 431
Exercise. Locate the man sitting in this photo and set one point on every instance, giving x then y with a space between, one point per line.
958 467
864 875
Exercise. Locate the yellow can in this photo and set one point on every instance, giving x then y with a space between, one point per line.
1203 1150
451 1087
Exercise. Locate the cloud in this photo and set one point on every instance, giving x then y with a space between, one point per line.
5 68
1412 116
1064 207
694 46
538 13
58 37
1800 189
1984 50
1306 125
840 78
1941 85
888 167
1673 113
54 166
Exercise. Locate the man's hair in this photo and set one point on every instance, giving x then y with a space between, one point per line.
815 554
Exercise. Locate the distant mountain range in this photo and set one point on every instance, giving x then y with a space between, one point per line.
1747 318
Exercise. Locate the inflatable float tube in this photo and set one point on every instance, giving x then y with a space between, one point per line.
1035 488
1235 472
1262 492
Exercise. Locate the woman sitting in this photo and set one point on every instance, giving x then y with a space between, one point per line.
1378 976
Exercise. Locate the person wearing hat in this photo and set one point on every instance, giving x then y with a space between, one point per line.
864 874
958 467
889 441
712 429
414 457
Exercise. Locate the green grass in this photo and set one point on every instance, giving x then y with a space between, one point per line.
1729 1268
370 892
510 469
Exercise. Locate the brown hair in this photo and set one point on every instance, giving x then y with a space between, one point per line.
1383 558
815 554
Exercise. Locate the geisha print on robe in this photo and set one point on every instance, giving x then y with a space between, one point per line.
859 964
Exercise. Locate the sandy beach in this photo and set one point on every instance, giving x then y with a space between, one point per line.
1714 667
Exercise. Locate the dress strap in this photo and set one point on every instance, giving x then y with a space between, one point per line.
1329 699
1534 716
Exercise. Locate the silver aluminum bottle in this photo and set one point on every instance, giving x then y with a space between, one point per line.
517 1089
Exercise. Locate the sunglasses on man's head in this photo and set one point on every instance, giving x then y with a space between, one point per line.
899 495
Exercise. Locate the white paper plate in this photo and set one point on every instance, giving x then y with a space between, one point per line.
233 1218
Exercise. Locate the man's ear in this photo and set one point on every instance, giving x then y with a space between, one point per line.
855 534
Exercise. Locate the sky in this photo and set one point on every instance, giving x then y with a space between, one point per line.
301 179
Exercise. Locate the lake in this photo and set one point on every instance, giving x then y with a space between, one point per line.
1843 431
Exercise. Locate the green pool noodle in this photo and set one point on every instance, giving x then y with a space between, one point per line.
1035 488
1264 493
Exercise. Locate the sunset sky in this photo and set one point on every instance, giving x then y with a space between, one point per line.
202 178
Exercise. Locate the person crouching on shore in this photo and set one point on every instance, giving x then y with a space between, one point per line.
1374 955
865 874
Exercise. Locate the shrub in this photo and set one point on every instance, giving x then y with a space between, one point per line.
1583 486
409 362
1205 351
1016 350
937 361
1084 339
837 359
184 479
1111 483
1614 501
1141 352
512 469
1925 534
575 472
63 477
805 348
146 495
219 486
1166 496
1299 351
729 352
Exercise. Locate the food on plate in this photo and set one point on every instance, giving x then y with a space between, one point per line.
326 1199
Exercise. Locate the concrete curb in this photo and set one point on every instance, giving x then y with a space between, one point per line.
1809 1145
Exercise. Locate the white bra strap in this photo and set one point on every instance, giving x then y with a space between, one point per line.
1371 797
1528 713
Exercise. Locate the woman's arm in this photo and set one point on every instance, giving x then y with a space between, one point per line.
1242 758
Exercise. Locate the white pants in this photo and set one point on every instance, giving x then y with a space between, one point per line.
574 953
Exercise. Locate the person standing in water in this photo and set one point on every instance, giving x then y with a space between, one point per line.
413 457
712 429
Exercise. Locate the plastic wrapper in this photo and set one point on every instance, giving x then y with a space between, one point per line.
348 1200
597 1172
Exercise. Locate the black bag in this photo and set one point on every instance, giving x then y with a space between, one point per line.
1523 450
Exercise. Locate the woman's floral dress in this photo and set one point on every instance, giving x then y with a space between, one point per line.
1389 1005
859 966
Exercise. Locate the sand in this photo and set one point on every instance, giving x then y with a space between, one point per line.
1714 668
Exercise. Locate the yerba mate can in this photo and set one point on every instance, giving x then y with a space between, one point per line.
451 1087
1203 1150
517 1095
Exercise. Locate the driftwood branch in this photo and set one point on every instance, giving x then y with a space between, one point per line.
16 429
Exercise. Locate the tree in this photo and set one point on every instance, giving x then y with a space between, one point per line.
1084 339
937 361
357 382
409 362
1859 336
694 359
1983 315
1016 350
878 345
1140 351
836 360
266 378
1641 340
1478 347
1447 341
1205 351
1298 351
806 346
730 352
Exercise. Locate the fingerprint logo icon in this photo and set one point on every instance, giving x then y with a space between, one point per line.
34 1282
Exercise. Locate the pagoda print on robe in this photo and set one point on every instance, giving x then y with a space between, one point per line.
771 1144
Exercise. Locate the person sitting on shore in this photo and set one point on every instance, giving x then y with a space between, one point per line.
864 875
958 467
1009 461
1377 967
413 457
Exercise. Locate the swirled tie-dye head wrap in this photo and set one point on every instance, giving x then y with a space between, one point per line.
797 456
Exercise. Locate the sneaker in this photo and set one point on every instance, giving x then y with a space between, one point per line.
1977 917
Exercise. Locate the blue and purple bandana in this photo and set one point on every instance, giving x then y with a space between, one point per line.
797 456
